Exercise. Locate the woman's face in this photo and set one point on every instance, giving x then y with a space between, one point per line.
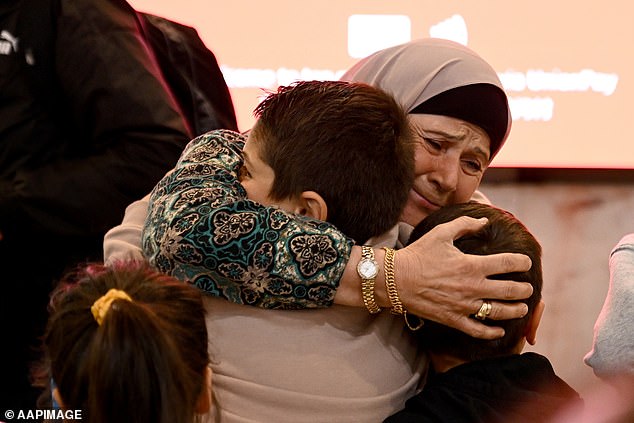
451 156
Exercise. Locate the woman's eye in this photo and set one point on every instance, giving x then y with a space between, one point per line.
473 166
433 144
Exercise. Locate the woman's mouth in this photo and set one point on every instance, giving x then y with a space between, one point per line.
422 202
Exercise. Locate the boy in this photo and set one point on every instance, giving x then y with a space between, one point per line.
331 151
475 380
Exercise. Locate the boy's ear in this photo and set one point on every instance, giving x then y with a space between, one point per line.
204 400
313 205
533 323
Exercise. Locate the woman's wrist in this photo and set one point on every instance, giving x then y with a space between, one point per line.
349 292
387 292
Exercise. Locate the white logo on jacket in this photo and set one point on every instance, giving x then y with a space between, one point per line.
8 43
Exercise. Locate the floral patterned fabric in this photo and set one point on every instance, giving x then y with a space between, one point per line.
202 229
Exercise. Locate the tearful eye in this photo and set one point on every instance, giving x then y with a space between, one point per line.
473 166
433 144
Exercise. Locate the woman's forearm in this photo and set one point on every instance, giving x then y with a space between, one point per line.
201 228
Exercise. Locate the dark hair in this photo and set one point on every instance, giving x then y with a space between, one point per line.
503 233
349 142
147 360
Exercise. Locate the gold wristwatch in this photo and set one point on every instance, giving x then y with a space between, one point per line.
368 268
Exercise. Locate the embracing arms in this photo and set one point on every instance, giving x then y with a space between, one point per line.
266 257
202 228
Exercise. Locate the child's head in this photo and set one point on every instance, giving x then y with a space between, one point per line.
333 150
503 233
141 357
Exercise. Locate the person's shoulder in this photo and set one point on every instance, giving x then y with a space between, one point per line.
218 139
626 243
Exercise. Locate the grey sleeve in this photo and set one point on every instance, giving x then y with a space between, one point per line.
613 345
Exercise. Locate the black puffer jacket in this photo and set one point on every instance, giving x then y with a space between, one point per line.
91 136
86 127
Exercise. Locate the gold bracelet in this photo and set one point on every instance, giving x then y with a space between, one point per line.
409 324
368 269
390 284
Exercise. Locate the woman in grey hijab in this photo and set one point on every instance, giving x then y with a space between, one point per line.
307 364
449 83
460 113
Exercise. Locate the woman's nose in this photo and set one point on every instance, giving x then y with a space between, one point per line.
446 172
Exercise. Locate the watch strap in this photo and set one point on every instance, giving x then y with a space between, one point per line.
367 284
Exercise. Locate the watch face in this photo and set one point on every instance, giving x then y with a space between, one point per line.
367 268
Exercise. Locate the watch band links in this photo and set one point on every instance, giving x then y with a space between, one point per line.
367 284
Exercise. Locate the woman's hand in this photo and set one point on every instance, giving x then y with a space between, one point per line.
438 282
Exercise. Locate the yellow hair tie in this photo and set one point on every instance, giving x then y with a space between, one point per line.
102 305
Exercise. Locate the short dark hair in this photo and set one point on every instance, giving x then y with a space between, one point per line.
349 142
147 359
503 233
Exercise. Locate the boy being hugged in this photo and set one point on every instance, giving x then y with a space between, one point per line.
477 380
339 155
332 151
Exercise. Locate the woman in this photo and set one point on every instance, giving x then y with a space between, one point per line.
445 83
314 355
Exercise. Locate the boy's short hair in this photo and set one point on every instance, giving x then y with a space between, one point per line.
503 233
349 142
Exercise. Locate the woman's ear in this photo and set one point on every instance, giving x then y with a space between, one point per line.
533 323
204 400
313 205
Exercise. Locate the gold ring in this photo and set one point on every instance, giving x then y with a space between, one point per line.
484 311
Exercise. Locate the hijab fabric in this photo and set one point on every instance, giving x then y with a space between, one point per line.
422 69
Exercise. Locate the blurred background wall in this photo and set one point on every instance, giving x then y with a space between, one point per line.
577 222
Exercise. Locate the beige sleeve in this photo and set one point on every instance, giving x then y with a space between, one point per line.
123 242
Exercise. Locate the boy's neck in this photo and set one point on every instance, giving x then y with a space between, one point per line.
443 362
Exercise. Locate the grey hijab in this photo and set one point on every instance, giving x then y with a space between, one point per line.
444 72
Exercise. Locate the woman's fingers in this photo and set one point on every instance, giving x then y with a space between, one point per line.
440 283
503 311
477 329
496 264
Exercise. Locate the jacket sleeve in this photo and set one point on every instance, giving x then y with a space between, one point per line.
613 344
202 229
124 130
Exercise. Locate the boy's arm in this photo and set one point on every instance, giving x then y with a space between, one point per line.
202 229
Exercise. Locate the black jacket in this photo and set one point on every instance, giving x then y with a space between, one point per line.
517 388
97 133
86 127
